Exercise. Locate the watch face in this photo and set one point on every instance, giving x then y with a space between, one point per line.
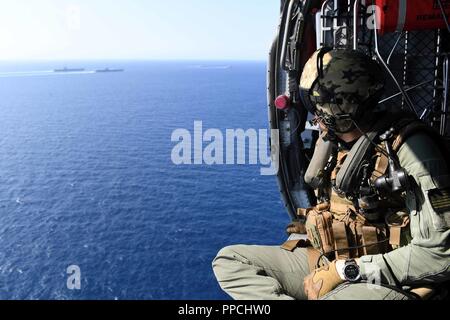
351 272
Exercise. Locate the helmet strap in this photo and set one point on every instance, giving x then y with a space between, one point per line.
320 57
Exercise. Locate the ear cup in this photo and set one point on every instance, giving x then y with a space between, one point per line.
306 101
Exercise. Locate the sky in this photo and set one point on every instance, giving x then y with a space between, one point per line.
137 29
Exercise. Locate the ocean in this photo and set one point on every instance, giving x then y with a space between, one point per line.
86 179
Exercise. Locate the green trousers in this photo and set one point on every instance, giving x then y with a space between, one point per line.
271 273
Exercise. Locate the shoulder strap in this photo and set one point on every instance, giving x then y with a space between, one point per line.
405 129
363 148
408 130
346 176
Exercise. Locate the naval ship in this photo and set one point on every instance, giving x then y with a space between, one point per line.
65 69
106 70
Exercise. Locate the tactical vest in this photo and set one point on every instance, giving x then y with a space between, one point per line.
338 229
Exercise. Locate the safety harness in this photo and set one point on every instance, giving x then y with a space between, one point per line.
336 227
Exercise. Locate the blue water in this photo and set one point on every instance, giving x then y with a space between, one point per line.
86 179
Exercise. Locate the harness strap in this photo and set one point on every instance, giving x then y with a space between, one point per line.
424 293
381 165
340 206
340 240
290 245
313 258
359 239
395 235
396 223
407 130
341 157
353 240
370 239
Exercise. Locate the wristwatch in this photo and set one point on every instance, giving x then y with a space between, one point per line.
352 272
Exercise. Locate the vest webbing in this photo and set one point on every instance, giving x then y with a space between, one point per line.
340 206
407 130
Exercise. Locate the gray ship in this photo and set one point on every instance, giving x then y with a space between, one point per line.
109 70
65 69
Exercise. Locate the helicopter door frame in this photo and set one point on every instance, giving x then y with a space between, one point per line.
417 62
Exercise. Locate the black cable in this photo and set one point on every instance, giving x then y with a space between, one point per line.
377 148
297 113
444 15
348 249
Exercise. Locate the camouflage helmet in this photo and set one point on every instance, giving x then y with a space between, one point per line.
340 86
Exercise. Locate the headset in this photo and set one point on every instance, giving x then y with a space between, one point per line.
397 180
331 121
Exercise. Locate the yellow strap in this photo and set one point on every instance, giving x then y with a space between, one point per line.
290 245
370 236
324 227
313 258
395 236
302 213
340 206
359 237
382 162
407 131
354 253
340 240
381 165
325 206
341 157
423 293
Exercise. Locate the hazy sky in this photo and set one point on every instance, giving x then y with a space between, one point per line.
137 29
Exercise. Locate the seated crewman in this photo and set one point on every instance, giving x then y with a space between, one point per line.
382 219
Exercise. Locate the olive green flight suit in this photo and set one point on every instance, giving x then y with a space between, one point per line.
271 273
